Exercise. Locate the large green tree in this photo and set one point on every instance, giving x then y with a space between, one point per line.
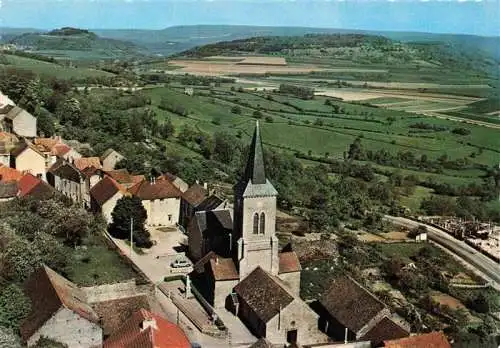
130 209
14 306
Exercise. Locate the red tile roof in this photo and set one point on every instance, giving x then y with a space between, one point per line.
385 329
289 262
195 195
30 185
105 189
85 162
60 150
9 174
160 189
48 292
429 340
45 144
121 175
223 269
162 333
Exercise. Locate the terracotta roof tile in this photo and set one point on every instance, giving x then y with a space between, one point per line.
9 174
223 269
105 189
138 178
160 189
164 335
289 262
66 170
32 186
350 304
195 194
45 144
60 150
19 149
121 175
85 162
263 294
386 329
8 138
429 340
114 313
48 291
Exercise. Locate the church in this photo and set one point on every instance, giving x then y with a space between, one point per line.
239 264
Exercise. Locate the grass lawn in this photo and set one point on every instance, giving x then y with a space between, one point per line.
51 69
413 201
98 265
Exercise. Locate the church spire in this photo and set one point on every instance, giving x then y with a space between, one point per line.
255 170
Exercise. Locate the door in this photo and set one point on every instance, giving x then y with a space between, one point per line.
291 336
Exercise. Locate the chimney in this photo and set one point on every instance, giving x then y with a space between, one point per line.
205 186
216 260
148 323
197 182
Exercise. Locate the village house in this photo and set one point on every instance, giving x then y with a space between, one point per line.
350 312
14 119
70 181
5 100
104 195
161 199
31 186
147 329
427 340
174 179
123 177
86 162
26 158
241 267
193 196
8 174
54 148
110 158
59 311
8 141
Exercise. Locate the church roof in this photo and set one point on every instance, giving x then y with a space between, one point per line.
255 169
350 304
289 262
263 294
223 269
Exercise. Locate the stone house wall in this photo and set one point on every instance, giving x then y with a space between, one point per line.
222 289
32 162
163 212
24 124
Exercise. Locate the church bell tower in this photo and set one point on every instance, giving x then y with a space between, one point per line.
255 215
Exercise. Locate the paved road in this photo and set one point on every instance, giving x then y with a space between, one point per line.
470 255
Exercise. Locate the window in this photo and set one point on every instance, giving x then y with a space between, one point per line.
169 217
262 228
255 223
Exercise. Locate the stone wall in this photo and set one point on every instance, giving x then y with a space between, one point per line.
114 291
296 316
71 329
163 212
222 289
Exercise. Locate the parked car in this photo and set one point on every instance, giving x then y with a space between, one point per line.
180 263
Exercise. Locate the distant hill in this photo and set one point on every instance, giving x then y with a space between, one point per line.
75 44
178 38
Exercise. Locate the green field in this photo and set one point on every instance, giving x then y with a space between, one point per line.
51 69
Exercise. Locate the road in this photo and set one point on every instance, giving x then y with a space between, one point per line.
480 262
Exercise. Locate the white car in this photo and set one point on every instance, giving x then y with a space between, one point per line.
180 263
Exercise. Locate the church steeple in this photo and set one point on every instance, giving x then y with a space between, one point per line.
255 169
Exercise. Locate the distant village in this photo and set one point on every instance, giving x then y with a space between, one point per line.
239 278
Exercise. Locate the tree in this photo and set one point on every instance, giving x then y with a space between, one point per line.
8 339
438 205
128 208
14 306
21 259
167 129
479 304
45 123
257 114
355 150
236 110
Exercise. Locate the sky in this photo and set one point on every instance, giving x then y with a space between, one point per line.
479 17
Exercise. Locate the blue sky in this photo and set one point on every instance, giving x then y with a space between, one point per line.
480 17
